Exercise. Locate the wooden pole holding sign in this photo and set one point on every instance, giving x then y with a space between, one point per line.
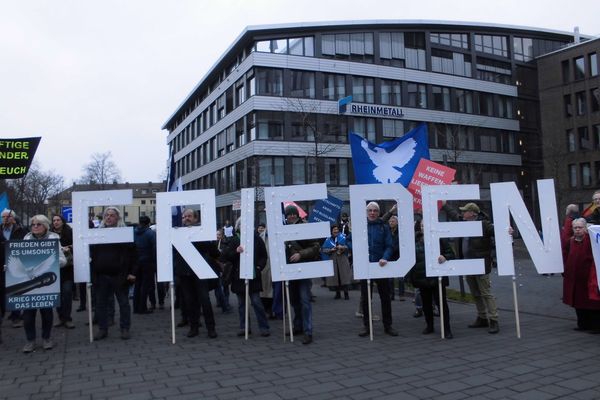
287 296
246 328
370 309
88 292
172 288
518 323
441 307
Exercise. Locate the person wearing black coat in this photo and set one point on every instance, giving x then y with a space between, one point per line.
238 285
429 285
195 290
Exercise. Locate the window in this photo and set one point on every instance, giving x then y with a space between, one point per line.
269 82
270 125
441 98
497 45
450 63
302 46
303 126
393 128
460 40
334 129
270 171
298 171
596 136
571 141
488 142
143 201
417 95
336 171
357 46
486 104
566 71
504 106
391 92
363 89
579 68
493 71
523 49
240 94
593 63
572 175
303 84
586 174
595 99
584 138
391 48
463 101
568 105
581 103
334 86
365 127
414 50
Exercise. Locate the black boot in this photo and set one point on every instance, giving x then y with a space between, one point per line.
494 328
479 323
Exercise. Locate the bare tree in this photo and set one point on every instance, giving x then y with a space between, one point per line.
29 195
305 114
101 170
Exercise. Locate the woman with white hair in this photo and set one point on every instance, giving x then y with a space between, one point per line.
40 230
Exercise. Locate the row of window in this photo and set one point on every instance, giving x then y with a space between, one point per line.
580 175
283 171
405 50
581 67
582 138
305 84
302 127
582 99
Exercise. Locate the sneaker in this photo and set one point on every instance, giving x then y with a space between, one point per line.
358 314
479 323
29 347
125 334
69 325
307 339
418 313
101 334
375 317
47 344
265 334
193 332
182 323
18 323
59 324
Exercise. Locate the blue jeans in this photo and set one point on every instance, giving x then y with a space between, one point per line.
300 299
259 311
107 287
29 322
277 307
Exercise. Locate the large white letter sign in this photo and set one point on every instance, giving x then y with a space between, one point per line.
182 237
435 230
506 201
359 195
83 236
247 235
279 233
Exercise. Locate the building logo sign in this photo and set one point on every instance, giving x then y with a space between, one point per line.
347 107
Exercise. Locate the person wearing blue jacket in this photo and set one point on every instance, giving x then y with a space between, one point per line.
380 251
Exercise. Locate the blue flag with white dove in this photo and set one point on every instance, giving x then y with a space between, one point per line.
389 162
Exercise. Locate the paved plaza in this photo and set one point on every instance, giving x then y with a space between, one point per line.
550 361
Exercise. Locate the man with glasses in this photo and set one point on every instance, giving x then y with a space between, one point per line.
10 231
592 213
380 251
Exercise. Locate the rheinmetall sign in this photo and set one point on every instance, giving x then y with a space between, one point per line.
347 107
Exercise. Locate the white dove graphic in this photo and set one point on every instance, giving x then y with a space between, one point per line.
388 165
19 270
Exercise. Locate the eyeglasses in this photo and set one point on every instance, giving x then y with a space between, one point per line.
34 225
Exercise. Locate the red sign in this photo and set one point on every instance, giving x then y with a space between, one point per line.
428 173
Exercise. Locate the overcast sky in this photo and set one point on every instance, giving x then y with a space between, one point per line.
97 76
